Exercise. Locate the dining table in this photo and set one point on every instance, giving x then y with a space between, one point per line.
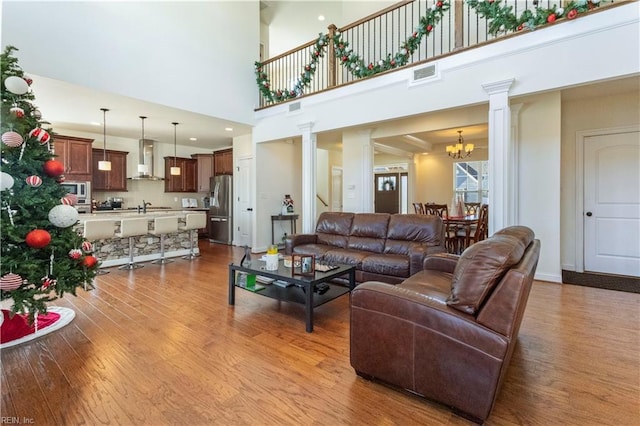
466 223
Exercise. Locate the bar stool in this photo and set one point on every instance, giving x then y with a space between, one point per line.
99 229
193 222
132 228
163 226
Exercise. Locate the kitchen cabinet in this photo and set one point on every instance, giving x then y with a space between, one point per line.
223 162
205 170
186 181
116 178
75 154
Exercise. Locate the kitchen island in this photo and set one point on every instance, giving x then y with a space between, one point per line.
115 251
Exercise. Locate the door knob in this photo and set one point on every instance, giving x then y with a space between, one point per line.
589 214
249 209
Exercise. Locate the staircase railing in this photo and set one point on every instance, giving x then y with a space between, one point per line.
407 33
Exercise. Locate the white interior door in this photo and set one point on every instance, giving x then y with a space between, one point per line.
612 203
244 200
336 189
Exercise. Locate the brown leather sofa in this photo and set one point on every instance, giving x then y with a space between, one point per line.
447 333
383 247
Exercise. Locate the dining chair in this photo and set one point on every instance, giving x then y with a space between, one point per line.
471 208
450 229
419 208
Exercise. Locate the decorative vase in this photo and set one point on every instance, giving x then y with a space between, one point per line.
246 259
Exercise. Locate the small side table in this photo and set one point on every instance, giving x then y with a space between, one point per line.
292 218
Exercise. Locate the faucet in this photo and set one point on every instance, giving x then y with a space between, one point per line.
143 207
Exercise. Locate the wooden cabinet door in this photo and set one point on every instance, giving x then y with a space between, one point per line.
172 183
75 154
190 175
205 170
99 177
223 162
116 178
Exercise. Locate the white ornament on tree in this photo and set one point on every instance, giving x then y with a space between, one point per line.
63 216
16 85
12 139
6 181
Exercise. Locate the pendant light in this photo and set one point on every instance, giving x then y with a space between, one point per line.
460 150
104 165
143 169
175 170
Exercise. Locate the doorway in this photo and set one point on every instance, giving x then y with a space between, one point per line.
336 189
391 193
611 204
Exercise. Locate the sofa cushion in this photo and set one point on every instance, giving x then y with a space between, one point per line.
369 232
345 256
417 228
318 250
480 268
387 264
333 228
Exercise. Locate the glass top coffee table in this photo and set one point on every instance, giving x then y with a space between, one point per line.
301 287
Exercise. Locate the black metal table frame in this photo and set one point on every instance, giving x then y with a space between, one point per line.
307 282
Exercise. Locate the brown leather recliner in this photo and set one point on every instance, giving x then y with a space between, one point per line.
447 333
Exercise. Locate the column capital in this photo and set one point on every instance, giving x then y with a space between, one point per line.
498 86
306 127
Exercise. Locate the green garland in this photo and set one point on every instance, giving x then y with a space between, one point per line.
358 68
503 20
500 18
354 63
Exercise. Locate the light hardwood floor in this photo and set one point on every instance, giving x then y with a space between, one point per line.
160 345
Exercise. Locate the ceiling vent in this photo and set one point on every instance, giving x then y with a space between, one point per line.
425 72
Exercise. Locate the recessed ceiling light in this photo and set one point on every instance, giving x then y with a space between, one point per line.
229 129
193 139
320 17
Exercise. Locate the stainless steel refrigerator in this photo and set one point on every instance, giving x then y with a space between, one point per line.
221 200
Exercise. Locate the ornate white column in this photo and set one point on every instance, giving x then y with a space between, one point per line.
500 154
309 153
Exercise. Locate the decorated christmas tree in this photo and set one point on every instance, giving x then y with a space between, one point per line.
42 256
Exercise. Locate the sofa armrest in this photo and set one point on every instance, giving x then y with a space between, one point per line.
444 262
298 239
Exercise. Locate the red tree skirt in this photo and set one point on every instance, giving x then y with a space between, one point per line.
17 330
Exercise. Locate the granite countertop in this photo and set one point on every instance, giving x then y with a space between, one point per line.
150 214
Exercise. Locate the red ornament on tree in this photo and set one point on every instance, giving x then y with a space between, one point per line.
47 282
87 247
69 200
38 238
89 261
17 112
34 181
10 281
572 14
40 135
53 168
551 18
429 28
75 254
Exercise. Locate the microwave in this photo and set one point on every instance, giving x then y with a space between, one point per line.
82 190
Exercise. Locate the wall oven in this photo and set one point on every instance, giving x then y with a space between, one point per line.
82 190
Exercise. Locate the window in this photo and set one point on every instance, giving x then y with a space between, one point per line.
470 180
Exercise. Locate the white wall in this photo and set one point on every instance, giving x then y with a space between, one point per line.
323 181
278 172
539 178
602 112
183 54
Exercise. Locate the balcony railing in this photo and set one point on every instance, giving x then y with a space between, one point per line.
407 33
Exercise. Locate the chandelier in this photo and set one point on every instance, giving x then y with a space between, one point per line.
460 150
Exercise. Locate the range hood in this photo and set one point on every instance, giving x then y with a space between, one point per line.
145 161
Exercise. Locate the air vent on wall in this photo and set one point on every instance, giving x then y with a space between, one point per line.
294 106
425 72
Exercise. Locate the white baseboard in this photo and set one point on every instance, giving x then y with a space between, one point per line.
553 278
